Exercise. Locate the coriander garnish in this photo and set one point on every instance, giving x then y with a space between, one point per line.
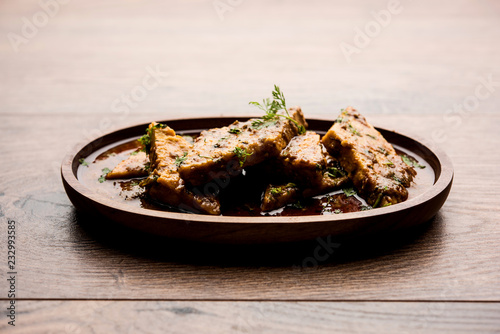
260 124
383 150
105 172
411 162
180 160
242 154
276 190
271 108
353 130
145 140
349 191
235 131
397 179
334 172
377 201
83 162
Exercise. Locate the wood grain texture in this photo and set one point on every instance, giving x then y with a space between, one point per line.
64 254
418 76
426 60
82 317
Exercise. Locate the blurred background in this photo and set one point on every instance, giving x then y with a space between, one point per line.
75 70
62 56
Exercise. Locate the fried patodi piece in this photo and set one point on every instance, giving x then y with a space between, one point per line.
277 196
164 184
376 170
133 166
306 162
224 152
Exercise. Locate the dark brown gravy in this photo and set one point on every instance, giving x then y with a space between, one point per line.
241 196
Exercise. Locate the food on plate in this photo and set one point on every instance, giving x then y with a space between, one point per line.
277 196
270 163
306 163
224 152
164 184
376 170
133 166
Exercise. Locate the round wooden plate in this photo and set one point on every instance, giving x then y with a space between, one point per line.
247 230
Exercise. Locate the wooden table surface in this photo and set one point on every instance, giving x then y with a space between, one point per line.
72 70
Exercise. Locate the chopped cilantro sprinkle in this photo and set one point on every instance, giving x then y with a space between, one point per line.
83 162
180 160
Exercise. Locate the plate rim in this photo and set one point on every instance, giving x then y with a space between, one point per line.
443 181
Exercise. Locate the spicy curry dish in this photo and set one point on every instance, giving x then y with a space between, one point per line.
272 165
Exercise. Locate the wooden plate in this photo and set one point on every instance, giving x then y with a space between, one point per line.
247 230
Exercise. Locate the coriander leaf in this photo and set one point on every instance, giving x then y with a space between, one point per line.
83 162
353 130
145 140
242 155
349 191
276 190
260 124
180 160
411 162
397 179
383 150
334 172
377 201
271 109
105 172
